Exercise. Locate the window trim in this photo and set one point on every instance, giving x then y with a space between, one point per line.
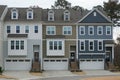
89 30
26 29
67 30
101 45
9 30
29 11
18 30
83 45
51 13
36 29
12 13
68 14
50 31
83 29
98 30
89 45
110 30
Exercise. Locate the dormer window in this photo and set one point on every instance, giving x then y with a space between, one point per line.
94 14
14 14
29 14
66 15
51 15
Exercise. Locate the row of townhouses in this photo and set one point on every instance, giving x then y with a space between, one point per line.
55 39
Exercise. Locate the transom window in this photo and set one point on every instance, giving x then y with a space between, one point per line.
100 45
17 45
82 30
50 30
99 30
91 30
55 45
8 29
17 29
36 29
91 45
82 45
108 30
67 30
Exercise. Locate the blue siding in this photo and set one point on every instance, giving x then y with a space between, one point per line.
95 36
95 19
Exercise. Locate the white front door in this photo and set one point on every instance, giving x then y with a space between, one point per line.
91 64
55 64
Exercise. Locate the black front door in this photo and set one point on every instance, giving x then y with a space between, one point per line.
36 56
72 56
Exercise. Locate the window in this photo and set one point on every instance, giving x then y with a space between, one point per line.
66 15
91 45
55 45
22 45
94 14
36 29
100 45
82 30
99 30
91 30
50 30
82 45
17 45
51 15
8 29
67 30
26 29
17 29
14 14
12 45
108 30
29 14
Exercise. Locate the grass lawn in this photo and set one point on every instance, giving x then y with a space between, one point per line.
104 78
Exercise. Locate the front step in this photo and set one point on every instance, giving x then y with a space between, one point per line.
35 67
74 66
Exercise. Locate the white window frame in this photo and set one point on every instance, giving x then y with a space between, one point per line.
31 12
107 30
89 30
98 30
94 14
83 45
99 45
68 14
50 31
81 30
12 13
90 45
51 14
67 30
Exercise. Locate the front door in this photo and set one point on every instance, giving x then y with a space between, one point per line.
36 56
72 56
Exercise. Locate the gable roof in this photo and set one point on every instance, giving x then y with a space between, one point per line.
102 13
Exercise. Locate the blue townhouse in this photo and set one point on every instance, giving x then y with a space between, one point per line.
95 41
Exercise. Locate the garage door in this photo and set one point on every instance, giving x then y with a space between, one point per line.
91 64
55 64
17 64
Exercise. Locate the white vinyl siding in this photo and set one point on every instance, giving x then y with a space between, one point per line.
82 45
67 30
82 30
100 45
91 45
50 30
90 30
99 30
108 30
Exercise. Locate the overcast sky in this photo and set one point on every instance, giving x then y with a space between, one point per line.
47 3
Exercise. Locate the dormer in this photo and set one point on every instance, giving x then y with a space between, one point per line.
66 15
14 13
50 15
29 13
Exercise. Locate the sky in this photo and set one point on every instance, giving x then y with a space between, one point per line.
88 4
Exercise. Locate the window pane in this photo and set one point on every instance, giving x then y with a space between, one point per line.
14 14
8 29
51 45
55 45
17 29
17 44
36 29
22 44
60 45
12 44
51 30
27 29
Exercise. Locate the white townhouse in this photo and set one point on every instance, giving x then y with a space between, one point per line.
23 39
